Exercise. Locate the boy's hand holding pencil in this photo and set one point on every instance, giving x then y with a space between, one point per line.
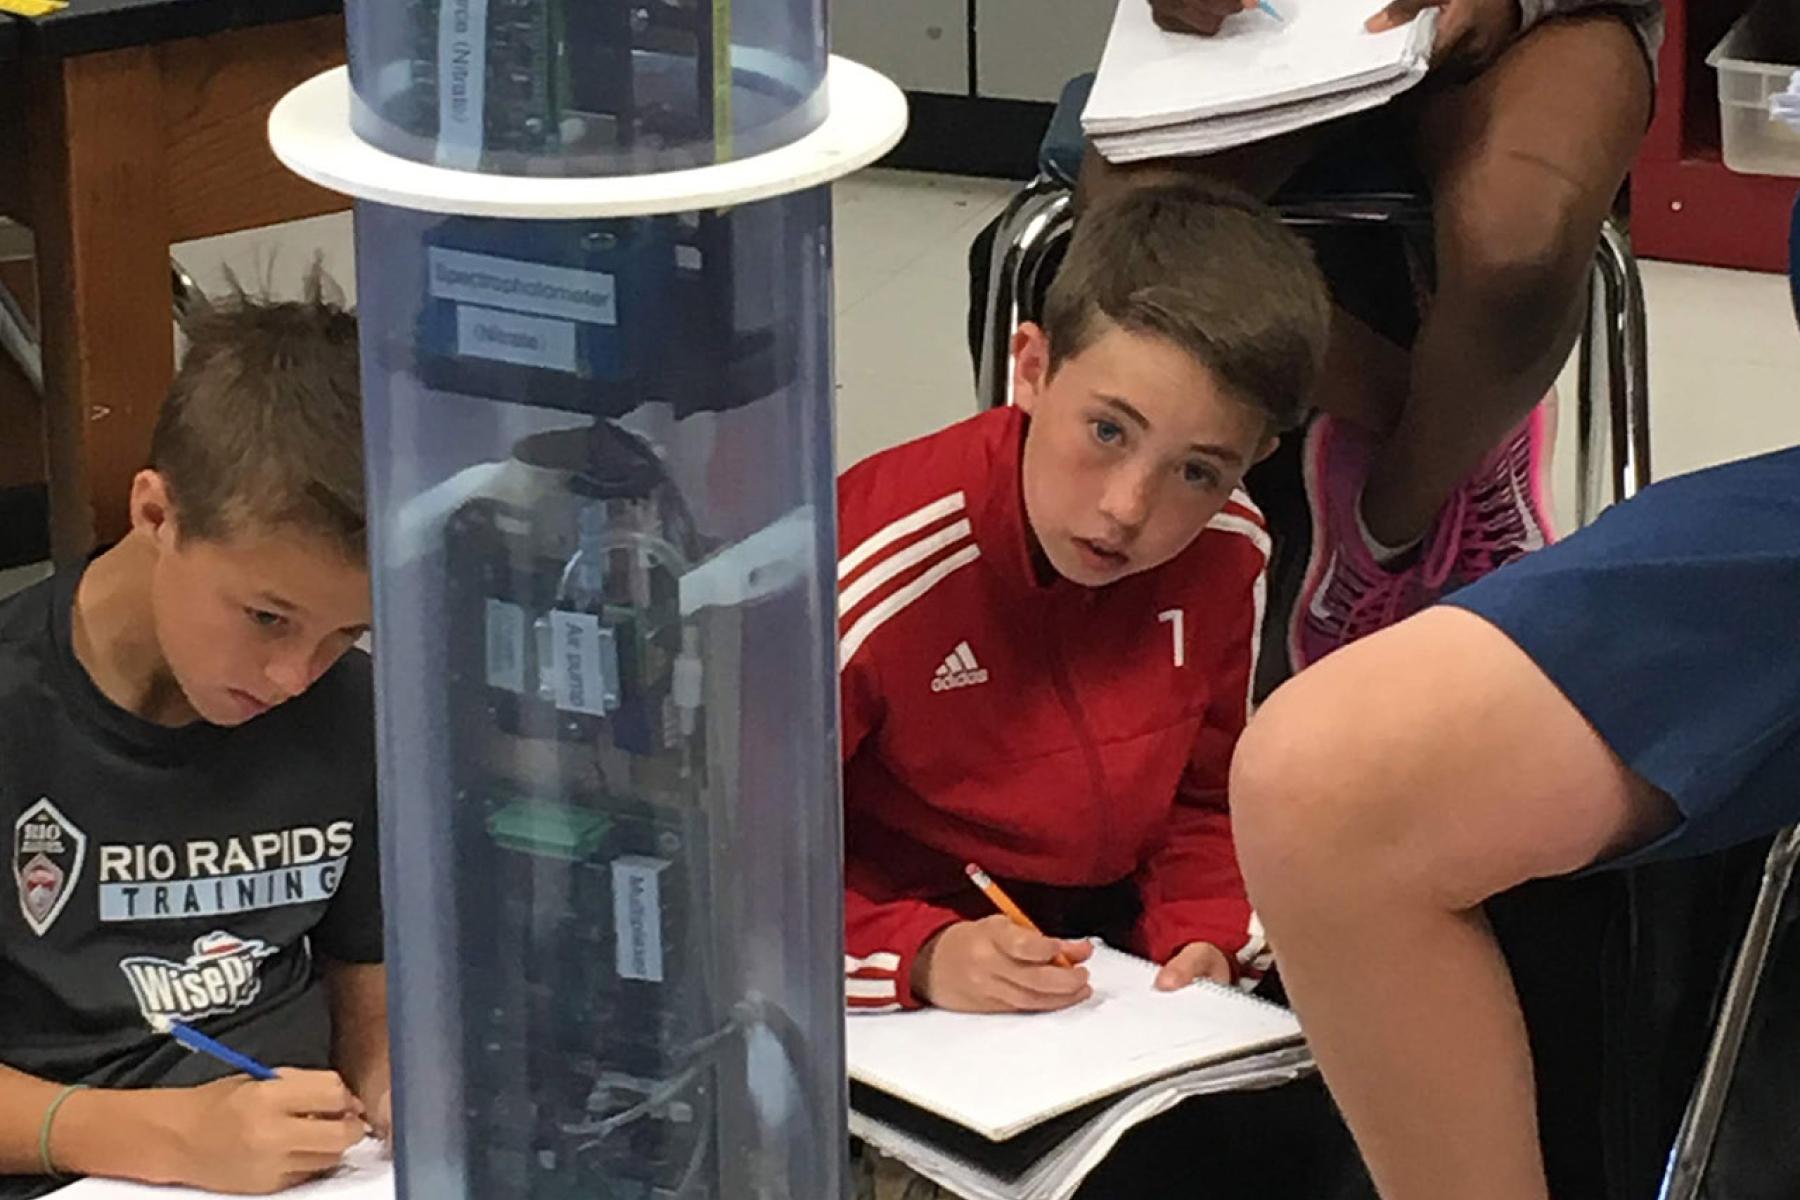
244 1135
1000 963
258 1130
992 965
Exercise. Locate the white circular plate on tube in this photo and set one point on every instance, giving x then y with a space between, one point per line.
310 132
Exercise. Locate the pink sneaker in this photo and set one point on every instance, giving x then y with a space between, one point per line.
1503 510
1346 593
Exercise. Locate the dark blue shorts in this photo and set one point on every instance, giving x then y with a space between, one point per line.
1673 625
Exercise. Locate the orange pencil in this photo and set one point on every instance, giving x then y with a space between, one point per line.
1005 904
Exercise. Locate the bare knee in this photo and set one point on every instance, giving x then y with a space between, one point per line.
1520 256
1353 780
1307 805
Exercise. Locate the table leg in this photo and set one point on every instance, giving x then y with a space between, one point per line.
99 204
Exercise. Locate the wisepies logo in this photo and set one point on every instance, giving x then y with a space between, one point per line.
222 975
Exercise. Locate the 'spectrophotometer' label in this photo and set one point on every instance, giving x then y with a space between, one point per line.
518 286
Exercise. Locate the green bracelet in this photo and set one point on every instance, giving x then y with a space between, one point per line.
49 1119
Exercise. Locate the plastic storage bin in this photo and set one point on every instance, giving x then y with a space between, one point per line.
1755 62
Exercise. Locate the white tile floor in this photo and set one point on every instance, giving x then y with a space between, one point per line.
1724 352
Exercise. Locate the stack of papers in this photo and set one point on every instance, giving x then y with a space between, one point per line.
367 1174
1052 1160
1022 1107
1161 94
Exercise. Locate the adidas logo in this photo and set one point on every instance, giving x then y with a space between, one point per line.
960 670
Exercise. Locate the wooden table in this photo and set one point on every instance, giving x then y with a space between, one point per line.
126 126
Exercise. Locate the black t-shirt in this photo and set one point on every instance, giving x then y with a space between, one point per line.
196 872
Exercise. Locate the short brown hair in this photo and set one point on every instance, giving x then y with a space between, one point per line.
263 426
1208 268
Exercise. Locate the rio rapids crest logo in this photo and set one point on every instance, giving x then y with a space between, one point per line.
48 852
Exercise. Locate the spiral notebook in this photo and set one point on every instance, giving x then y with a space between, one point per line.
1160 94
1000 1074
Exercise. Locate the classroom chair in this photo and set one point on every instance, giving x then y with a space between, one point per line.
1033 229
1737 1125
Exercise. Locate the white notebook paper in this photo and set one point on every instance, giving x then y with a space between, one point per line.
367 1174
1160 93
998 1074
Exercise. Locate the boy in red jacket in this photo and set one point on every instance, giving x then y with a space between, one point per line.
1048 619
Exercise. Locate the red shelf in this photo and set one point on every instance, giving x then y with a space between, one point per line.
1685 205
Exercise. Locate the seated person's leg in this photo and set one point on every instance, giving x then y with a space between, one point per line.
1259 168
1525 161
1543 725
1373 799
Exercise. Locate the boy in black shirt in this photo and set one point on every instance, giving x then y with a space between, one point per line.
187 767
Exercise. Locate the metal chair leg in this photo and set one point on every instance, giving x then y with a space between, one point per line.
1613 349
17 342
184 289
1025 227
1630 392
1591 361
1700 1125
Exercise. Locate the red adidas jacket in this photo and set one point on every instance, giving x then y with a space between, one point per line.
1066 738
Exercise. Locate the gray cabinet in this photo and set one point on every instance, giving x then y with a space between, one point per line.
922 45
1027 49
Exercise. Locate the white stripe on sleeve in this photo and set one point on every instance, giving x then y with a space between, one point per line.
870 989
893 604
1259 591
918 552
937 510
882 961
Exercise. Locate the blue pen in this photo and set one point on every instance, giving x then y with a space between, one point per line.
1270 9
198 1042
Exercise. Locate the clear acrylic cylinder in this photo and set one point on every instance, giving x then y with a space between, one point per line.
585 87
602 539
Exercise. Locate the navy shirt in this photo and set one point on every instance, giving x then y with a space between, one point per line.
196 872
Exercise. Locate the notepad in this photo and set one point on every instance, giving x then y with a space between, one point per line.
1160 93
366 1174
1000 1074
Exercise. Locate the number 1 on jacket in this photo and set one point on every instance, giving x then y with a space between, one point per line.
1174 619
